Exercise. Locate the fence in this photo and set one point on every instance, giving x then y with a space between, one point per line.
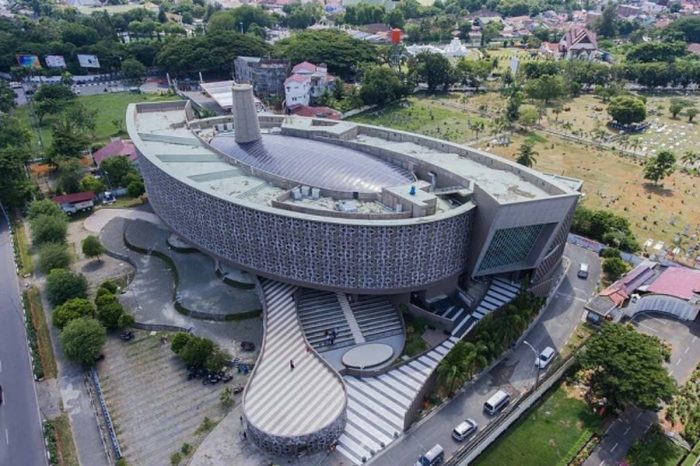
105 414
496 428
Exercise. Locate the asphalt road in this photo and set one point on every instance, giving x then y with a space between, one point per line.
515 374
21 438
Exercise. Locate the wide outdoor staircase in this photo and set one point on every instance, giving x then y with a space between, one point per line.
377 317
319 312
377 406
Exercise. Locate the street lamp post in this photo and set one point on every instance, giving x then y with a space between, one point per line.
537 362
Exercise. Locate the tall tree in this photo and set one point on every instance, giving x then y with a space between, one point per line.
546 88
607 24
7 97
625 368
69 140
381 84
627 109
660 166
52 99
433 69
82 340
527 154
92 247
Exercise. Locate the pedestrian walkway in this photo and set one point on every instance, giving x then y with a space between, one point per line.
377 406
292 391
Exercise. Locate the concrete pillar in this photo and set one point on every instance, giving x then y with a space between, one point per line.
245 118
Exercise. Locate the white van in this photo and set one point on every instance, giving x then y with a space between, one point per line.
433 457
497 402
583 271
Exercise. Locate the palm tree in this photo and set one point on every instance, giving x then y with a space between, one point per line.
463 99
527 154
454 368
690 158
477 126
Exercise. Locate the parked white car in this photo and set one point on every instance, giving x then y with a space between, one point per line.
545 357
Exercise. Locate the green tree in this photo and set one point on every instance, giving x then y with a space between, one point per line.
51 99
91 183
70 174
607 23
676 106
49 229
7 97
62 285
217 360
84 119
133 70
528 115
660 166
455 369
490 31
92 247
15 187
44 207
691 113
604 226
126 320
546 88
70 310
82 340
627 109
625 368
68 139
116 169
135 188
226 398
614 268
381 84
465 27
196 351
527 154
433 69
53 256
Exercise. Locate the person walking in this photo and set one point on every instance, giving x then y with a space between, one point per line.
291 364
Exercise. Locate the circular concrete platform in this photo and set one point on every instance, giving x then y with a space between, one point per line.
366 356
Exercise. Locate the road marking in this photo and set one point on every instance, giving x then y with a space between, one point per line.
627 430
7 437
638 416
684 352
602 463
694 338
614 446
0 366
679 361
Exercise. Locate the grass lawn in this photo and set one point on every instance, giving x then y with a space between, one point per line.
655 445
64 440
38 321
425 115
109 106
25 263
546 435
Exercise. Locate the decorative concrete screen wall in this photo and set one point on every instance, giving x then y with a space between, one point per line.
351 257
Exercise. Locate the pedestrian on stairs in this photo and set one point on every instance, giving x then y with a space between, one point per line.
291 364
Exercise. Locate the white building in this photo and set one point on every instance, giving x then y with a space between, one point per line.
307 82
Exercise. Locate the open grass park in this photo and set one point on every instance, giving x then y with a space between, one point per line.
547 435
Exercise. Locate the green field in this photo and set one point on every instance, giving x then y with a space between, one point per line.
109 106
546 435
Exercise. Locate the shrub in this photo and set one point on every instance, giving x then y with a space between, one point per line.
196 351
179 341
70 310
614 267
49 229
109 314
92 247
126 320
82 340
135 188
62 285
104 299
53 256
175 458
217 359
110 286
610 252
102 292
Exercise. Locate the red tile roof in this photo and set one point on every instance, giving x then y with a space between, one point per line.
74 198
116 147
297 78
305 65
318 112
677 281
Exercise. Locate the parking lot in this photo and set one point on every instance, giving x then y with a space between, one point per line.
155 409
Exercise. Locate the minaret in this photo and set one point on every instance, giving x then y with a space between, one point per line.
245 118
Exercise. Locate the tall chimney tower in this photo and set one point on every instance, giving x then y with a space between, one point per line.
245 118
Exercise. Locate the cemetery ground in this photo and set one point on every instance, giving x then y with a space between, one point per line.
610 181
